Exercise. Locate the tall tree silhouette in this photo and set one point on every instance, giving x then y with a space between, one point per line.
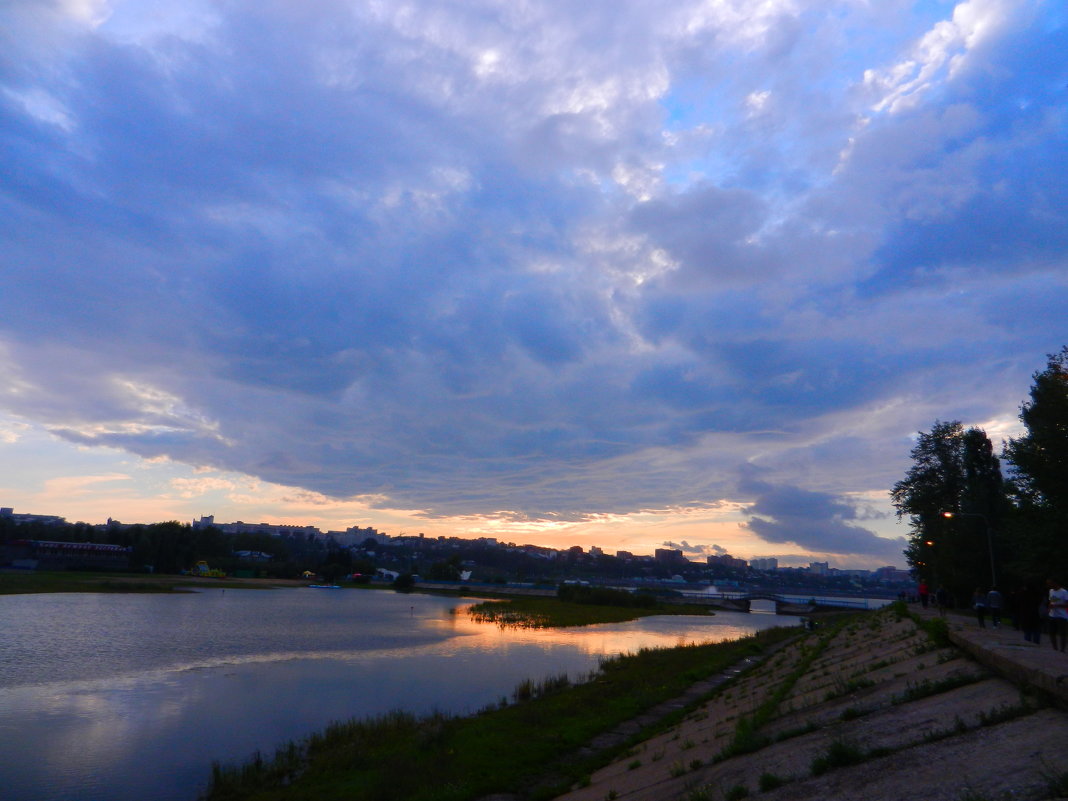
954 470
1039 471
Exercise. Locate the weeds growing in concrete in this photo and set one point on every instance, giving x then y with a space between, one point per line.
840 753
769 782
1056 781
927 688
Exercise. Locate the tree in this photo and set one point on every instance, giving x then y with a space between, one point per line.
447 570
955 470
1039 471
1040 458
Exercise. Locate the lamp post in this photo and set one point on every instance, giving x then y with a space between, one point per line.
989 539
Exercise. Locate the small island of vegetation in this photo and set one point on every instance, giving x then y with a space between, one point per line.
577 605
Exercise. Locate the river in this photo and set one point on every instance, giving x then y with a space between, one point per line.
129 697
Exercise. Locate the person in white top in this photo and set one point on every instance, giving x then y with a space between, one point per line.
1058 614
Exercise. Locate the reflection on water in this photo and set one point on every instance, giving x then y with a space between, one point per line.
666 631
132 697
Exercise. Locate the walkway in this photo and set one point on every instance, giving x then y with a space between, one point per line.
1005 652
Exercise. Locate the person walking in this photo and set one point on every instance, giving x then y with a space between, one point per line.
1031 602
993 606
979 604
1058 614
942 599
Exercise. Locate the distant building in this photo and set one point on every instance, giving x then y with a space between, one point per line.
45 555
669 556
8 512
624 555
726 560
770 563
361 535
892 574
539 551
240 527
819 568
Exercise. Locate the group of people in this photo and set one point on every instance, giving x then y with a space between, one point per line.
988 603
1031 607
940 597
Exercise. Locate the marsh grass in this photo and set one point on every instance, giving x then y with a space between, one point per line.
544 612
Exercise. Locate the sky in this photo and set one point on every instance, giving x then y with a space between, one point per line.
622 274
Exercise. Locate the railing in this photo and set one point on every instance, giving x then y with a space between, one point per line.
741 595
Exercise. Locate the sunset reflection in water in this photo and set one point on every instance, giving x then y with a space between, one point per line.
655 631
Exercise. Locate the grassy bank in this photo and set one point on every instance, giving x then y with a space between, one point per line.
22 582
30 581
528 741
537 612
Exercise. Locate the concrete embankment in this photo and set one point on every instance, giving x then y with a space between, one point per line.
872 710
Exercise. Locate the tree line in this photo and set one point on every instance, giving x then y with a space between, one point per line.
973 524
174 547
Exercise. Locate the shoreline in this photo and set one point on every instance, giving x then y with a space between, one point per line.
566 730
875 706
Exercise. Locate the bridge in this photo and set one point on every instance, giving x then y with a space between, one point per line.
742 602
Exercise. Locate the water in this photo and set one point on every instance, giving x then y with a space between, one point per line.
128 697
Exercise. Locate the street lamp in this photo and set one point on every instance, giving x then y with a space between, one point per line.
989 539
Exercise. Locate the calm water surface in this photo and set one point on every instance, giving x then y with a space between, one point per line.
131 697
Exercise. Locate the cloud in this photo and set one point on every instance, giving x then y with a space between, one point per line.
816 521
531 262
696 549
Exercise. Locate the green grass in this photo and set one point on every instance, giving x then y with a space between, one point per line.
927 688
769 782
534 743
839 754
747 736
20 582
936 628
545 612
24 582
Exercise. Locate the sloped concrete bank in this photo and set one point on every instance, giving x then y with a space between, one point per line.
871 709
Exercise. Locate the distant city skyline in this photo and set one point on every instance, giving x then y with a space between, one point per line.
611 274
357 536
